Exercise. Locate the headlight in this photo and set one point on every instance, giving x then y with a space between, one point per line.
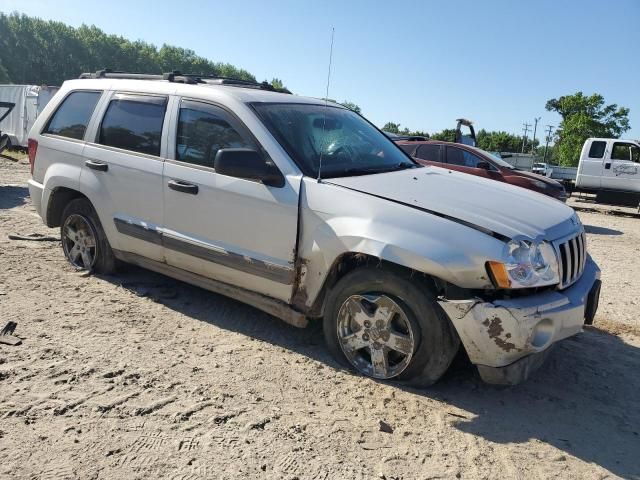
527 263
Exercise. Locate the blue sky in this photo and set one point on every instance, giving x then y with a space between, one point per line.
420 63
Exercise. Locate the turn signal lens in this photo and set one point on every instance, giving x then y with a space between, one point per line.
499 274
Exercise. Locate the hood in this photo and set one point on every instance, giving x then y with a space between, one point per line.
534 176
504 209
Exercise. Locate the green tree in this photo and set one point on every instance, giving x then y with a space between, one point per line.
500 141
446 135
277 84
4 76
584 117
391 127
351 106
35 51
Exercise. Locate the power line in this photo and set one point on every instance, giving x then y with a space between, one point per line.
546 145
524 138
535 127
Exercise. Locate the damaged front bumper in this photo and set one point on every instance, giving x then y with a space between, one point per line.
509 339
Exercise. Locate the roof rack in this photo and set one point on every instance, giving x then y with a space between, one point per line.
191 78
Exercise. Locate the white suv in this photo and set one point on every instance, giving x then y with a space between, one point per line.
305 210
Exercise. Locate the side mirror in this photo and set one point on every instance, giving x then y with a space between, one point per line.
484 165
247 163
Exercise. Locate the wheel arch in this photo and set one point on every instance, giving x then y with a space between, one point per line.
349 261
58 199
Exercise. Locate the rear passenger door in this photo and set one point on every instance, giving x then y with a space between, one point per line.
235 230
123 171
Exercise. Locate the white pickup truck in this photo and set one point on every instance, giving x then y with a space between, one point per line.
610 168
306 210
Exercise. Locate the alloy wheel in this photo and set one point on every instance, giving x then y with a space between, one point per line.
376 335
79 242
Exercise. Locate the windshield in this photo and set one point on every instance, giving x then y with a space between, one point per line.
346 143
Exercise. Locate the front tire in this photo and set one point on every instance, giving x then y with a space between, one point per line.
84 242
388 326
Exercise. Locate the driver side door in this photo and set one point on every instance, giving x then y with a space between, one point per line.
234 230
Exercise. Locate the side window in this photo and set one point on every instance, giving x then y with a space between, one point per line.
429 152
471 160
597 149
458 156
73 115
202 131
134 122
455 156
625 151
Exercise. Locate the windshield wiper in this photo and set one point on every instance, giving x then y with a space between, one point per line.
372 170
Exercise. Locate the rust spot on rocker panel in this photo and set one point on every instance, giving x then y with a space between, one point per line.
495 329
300 296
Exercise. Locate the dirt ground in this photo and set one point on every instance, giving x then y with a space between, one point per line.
140 376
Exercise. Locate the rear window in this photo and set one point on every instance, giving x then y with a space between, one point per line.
597 149
73 115
134 122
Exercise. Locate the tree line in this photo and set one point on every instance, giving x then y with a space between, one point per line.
41 52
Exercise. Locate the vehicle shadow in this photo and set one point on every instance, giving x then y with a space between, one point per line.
583 401
601 230
12 196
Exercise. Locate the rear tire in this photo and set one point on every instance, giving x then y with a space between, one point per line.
84 242
388 326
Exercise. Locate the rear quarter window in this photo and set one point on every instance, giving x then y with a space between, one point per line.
597 149
72 116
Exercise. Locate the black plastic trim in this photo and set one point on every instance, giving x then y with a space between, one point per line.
138 231
270 271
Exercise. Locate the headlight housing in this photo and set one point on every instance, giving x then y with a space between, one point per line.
527 263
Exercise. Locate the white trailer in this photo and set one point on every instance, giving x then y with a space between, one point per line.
520 161
29 101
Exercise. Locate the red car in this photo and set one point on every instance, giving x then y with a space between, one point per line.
468 159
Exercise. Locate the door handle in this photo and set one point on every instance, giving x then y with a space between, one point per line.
183 187
607 166
99 166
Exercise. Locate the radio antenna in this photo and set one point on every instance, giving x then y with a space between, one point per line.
326 100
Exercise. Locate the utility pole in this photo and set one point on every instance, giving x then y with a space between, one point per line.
524 139
546 145
535 127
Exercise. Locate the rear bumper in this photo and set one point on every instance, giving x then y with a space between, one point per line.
35 192
508 339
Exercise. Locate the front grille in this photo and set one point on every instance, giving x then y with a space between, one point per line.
572 254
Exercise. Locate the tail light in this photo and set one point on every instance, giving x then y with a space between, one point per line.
33 149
